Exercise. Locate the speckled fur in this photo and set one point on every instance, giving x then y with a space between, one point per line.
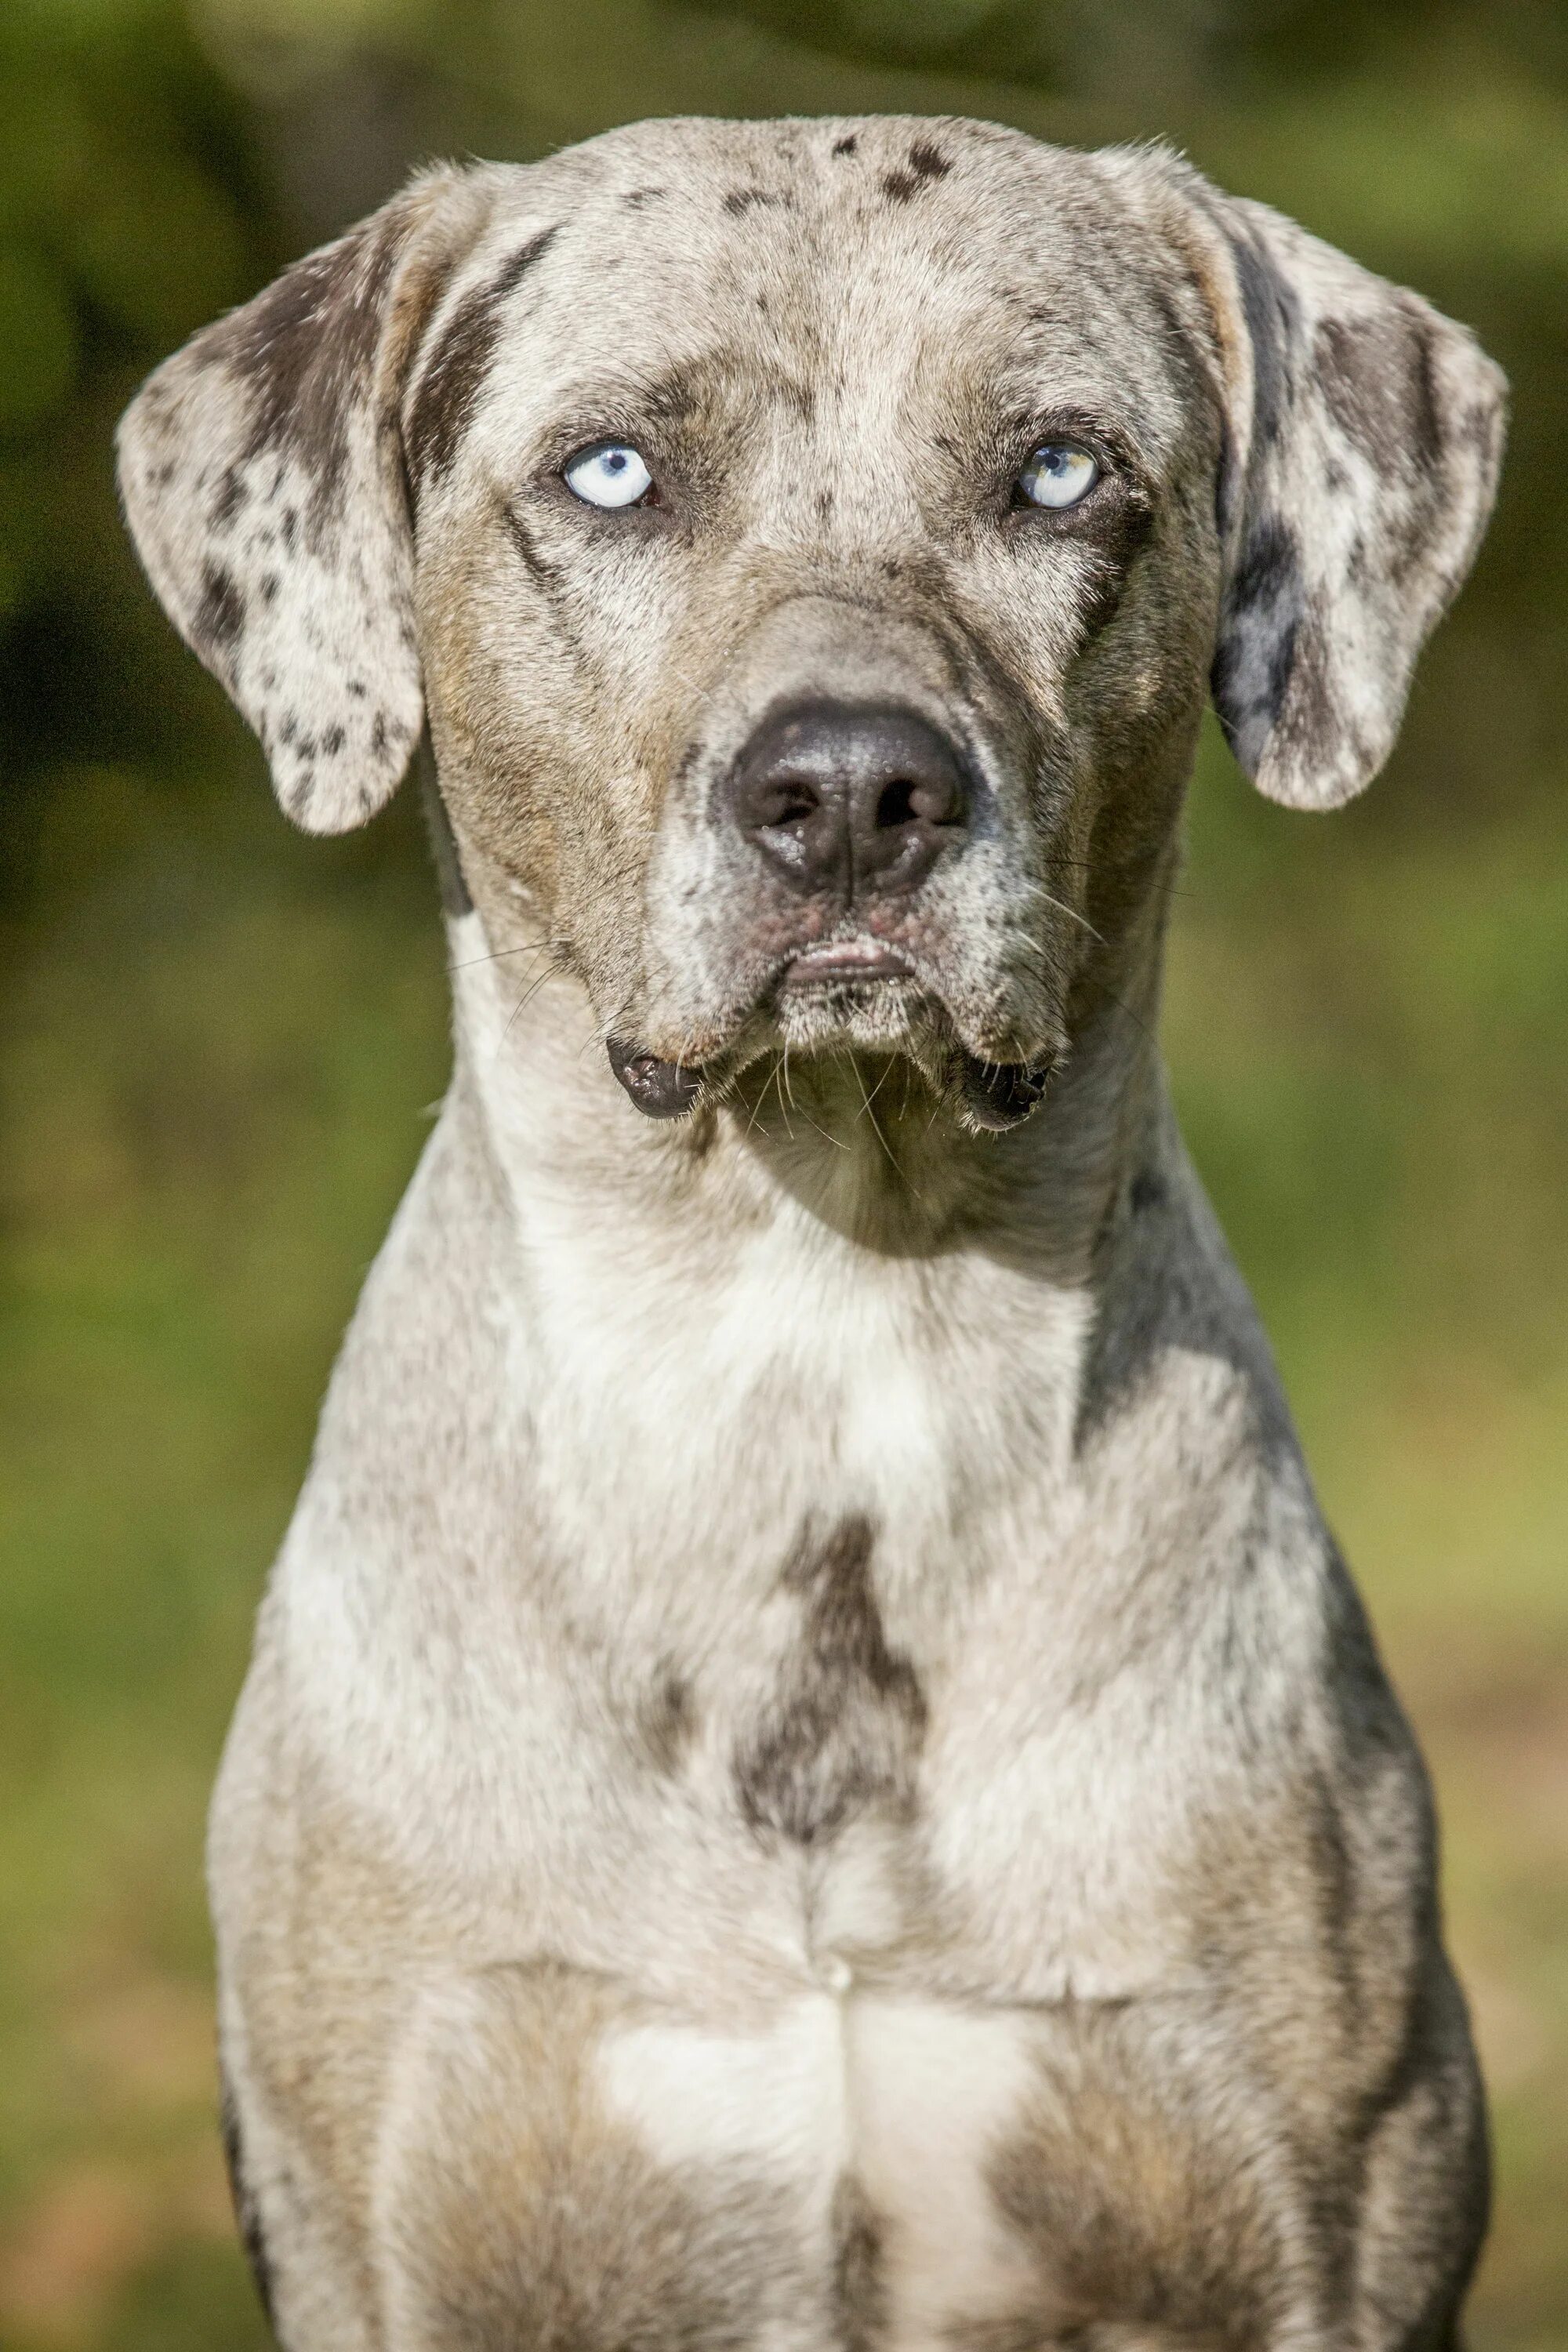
812 1776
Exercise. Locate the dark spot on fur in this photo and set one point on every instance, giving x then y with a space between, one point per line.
666 1721
859 2292
928 163
547 573
1273 323
1309 717
246 2213
1147 1191
220 616
846 145
288 529
635 198
303 349
1262 617
1116 525
357 687
455 899
270 583
900 186
547 576
844 1726
1377 377
448 387
1281 662
378 733
333 742
741 200
1228 483
824 504
1270 565
231 496
165 474
676 397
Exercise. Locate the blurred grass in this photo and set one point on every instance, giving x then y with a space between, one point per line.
219 1041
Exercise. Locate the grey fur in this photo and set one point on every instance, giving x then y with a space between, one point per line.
812 1776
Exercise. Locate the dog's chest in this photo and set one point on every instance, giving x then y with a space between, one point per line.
756 1634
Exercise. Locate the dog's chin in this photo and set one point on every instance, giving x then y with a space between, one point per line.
840 1012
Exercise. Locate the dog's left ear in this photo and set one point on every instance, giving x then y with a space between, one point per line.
261 470
1364 437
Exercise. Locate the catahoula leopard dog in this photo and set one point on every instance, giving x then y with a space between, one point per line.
812 1776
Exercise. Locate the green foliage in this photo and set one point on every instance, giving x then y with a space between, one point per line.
219 1040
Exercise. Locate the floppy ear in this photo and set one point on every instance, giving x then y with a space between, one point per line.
1365 436
261 471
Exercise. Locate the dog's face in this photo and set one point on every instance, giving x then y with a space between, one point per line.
812 543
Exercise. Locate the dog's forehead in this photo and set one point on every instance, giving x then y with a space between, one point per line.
812 252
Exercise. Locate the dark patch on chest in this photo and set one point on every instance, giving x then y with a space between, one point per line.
859 2288
448 389
843 1727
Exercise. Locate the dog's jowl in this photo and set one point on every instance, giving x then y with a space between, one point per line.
812 1776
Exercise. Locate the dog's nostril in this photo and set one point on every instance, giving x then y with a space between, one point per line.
896 805
785 803
907 802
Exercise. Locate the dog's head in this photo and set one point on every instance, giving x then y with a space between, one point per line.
813 544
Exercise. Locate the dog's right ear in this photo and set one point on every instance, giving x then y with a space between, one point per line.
261 471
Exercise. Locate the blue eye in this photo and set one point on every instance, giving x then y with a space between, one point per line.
610 474
1059 475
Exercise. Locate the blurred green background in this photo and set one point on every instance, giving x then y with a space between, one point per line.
219 1043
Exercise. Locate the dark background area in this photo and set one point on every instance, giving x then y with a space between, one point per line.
219 1042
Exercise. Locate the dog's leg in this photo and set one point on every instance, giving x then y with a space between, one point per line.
246 2208
565 2167
1426 2183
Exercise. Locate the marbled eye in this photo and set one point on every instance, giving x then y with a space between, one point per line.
610 474
1059 475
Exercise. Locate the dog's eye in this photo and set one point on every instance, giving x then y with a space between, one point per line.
1059 475
610 474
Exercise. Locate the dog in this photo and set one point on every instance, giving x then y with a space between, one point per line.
812 1775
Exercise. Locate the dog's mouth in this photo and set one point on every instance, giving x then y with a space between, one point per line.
845 963
857 992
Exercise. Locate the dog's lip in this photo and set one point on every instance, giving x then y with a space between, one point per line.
846 959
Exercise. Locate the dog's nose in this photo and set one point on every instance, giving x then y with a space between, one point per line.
855 802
